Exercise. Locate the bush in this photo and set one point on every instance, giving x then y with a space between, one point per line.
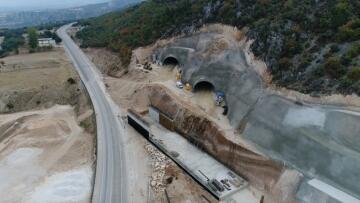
10 106
328 54
71 81
354 74
334 68
354 50
340 14
284 63
345 83
292 47
350 31
345 60
319 71
334 48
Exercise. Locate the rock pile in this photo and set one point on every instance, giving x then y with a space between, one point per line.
159 164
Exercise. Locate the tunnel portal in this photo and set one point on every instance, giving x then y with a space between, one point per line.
171 61
204 86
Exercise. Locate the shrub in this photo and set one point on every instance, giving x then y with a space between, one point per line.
354 50
10 106
334 68
340 14
284 63
292 47
345 83
334 48
345 60
305 62
328 54
354 74
319 71
350 31
71 81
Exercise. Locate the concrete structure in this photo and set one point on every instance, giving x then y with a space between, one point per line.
46 42
321 141
317 191
199 165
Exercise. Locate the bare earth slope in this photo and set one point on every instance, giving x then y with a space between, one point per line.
37 153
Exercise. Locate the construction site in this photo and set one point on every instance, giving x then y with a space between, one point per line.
208 92
221 101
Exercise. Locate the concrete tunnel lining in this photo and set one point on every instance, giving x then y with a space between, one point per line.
204 85
171 60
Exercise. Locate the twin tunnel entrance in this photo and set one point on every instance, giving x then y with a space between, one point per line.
206 95
198 87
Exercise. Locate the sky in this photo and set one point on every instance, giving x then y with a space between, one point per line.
43 4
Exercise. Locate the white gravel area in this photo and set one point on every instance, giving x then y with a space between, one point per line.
69 186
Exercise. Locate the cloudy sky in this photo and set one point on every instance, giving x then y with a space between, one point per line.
42 4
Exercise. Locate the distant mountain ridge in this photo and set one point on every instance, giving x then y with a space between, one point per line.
34 18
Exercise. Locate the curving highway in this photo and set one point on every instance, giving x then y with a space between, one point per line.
110 178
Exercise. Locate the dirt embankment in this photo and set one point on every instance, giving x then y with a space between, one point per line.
106 61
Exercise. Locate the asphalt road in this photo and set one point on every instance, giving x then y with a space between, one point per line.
110 177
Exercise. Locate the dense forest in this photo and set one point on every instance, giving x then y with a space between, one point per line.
312 46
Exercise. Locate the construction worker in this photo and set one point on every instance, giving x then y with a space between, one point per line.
178 75
188 87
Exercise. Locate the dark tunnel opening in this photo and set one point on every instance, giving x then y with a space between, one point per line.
204 86
171 61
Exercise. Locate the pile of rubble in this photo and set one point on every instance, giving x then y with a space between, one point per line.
159 164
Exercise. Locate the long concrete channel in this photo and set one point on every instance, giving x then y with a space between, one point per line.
111 174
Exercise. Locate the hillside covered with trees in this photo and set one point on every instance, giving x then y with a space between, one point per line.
312 46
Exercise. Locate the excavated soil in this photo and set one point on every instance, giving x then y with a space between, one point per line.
45 156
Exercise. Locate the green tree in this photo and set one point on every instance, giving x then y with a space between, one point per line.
354 50
334 68
354 74
340 14
33 38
